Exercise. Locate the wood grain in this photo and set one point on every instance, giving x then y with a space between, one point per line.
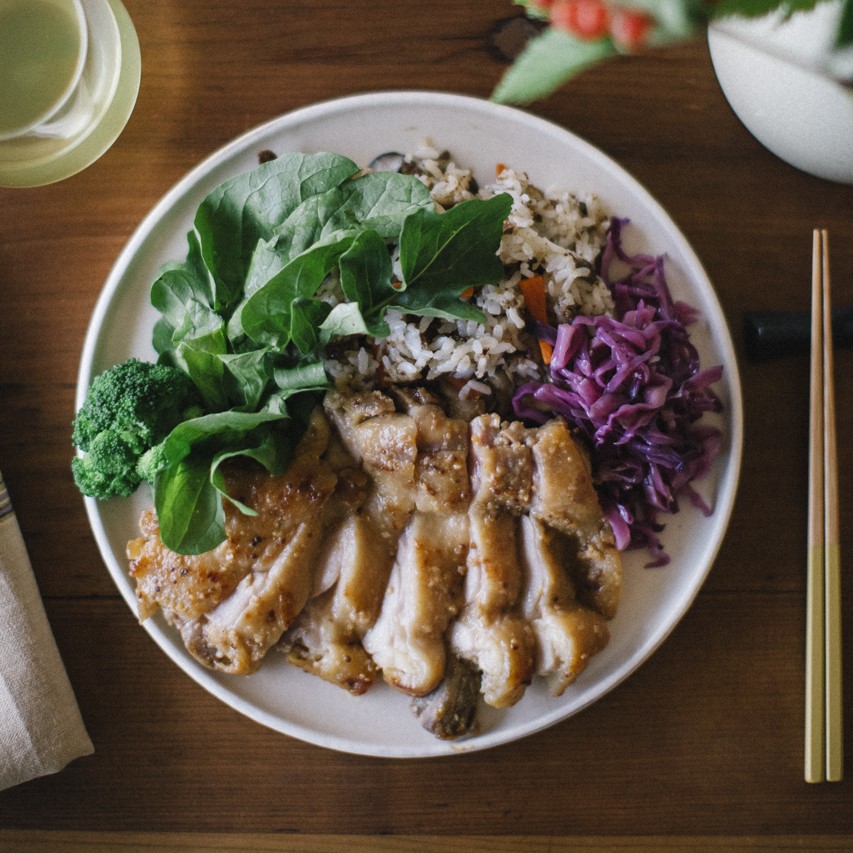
700 749
173 842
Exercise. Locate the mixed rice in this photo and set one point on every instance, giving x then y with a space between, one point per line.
557 235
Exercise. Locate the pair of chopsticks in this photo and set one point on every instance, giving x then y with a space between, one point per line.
824 754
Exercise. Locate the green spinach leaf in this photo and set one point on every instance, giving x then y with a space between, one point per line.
347 319
377 201
189 509
442 255
366 272
188 491
183 294
267 315
243 210
309 376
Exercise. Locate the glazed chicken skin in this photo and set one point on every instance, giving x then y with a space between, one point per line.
455 559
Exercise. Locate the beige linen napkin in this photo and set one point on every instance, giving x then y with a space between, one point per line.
41 729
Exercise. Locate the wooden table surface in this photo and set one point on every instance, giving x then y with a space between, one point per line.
701 748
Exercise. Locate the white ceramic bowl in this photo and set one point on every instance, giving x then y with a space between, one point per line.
774 74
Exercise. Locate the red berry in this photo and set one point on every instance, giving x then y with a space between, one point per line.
629 28
585 19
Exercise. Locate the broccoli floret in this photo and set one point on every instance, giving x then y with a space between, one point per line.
152 461
108 468
129 409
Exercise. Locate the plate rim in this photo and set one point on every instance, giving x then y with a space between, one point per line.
726 487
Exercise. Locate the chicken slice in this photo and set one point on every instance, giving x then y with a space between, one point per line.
417 461
407 641
187 586
236 635
441 464
490 630
504 464
326 638
567 633
564 498
184 587
361 585
318 645
384 441
356 562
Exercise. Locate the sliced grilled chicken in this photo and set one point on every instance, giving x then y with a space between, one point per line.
490 630
385 442
319 644
504 464
567 632
452 557
423 592
236 635
564 498
441 465
407 641
326 637
184 587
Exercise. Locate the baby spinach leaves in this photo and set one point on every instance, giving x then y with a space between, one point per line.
244 317
311 241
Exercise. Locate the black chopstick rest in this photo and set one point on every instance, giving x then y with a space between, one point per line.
774 334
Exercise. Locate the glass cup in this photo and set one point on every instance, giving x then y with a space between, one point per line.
69 77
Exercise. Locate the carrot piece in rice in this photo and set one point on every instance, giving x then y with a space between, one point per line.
533 289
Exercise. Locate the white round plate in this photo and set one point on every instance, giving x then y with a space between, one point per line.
479 134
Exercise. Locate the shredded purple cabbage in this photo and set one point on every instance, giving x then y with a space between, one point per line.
632 387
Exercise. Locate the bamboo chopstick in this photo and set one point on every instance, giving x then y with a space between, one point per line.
824 753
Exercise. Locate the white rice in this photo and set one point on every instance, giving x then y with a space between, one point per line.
554 234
